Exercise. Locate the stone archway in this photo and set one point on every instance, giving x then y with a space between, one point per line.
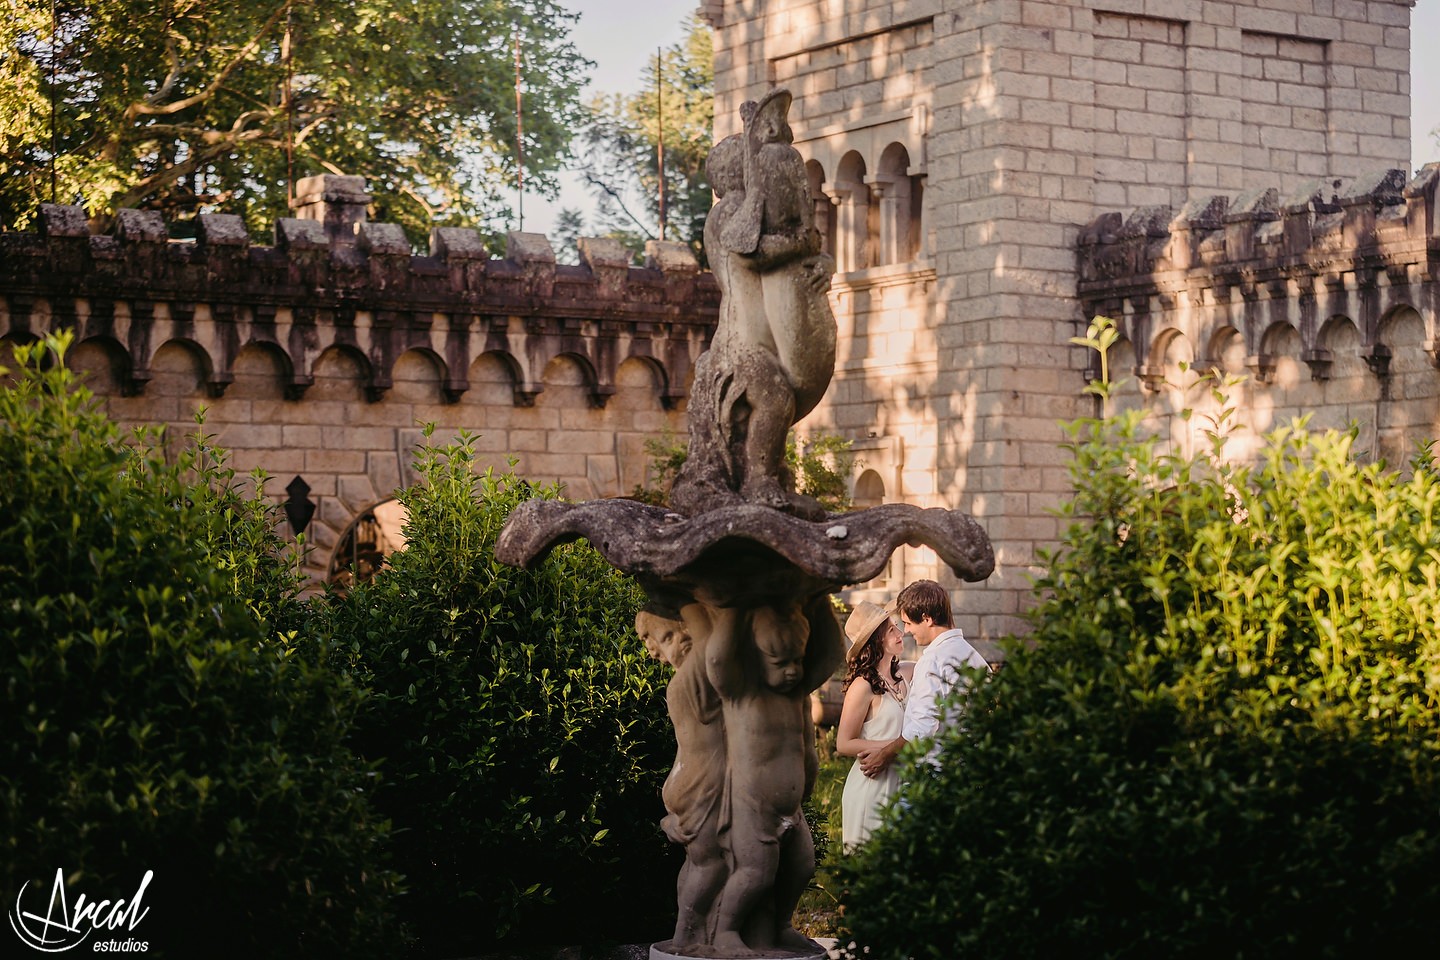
364 549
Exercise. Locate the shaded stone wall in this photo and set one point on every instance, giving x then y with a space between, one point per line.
1325 302
322 354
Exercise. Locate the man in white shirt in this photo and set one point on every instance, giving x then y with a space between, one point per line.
924 609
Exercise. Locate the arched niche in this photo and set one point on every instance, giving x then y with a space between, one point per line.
416 377
852 227
1176 357
639 385
891 194
340 373
260 371
1280 358
1406 412
178 368
1226 351
824 209
1347 390
494 377
101 361
1126 390
869 490
364 548
1403 331
569 383
8 342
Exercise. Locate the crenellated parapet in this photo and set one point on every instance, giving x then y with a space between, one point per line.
1260 265
329 279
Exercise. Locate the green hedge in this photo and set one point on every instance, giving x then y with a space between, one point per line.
160 711
1222 738
521 726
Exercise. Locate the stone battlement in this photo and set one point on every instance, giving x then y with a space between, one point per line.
1358 250
331 279
1375 215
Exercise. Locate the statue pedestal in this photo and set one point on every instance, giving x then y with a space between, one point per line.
663 951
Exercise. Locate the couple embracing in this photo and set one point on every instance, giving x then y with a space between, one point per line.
890 702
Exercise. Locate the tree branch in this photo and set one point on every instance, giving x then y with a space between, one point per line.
594 181
144 108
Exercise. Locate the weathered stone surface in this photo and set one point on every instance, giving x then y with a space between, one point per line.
63 221
140 226
651 542
457 243
295 234
383 240
529 248
669 256
221 230
773 353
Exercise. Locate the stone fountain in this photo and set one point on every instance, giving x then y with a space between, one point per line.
738 571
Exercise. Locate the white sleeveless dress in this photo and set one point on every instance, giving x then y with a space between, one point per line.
864 796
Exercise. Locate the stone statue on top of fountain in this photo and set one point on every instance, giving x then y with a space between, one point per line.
773 353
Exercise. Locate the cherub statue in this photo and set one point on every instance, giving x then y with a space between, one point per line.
763 662
693 790
774 348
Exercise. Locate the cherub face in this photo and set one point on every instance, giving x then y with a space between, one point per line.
780 639
674 646
665 640
783 670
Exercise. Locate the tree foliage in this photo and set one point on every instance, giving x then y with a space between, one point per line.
623 134
1222 739
188 105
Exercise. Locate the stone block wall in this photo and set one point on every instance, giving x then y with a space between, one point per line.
322 355
1022 121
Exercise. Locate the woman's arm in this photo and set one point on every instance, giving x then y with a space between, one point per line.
853 714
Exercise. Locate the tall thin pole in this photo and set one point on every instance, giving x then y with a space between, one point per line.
660 137
54 107
519 141
289 95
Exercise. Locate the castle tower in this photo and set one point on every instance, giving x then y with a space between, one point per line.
955 152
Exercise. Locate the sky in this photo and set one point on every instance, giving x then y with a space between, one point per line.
621 36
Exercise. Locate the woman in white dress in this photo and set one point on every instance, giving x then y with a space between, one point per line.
876 682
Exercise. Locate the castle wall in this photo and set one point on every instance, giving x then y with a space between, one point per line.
1021 120
323 355
1323 304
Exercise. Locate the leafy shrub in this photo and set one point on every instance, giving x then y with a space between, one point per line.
152 720
1221 740
522 727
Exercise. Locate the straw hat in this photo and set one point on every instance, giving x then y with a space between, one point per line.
863 621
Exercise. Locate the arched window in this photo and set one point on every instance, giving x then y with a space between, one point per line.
869 490
365 547
852 228
824 209
892 190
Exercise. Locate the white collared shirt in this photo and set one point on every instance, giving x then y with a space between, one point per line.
936 674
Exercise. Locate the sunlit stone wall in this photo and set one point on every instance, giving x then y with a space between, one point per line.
957 151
